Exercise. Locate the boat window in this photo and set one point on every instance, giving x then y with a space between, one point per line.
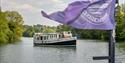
41 38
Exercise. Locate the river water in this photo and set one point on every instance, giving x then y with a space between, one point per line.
25 52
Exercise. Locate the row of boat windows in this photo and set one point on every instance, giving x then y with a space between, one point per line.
47 37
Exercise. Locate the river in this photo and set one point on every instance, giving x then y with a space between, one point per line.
25 52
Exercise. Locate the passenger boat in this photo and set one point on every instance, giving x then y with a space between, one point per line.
63 38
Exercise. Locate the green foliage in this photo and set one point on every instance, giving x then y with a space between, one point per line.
120 19
15 25
10 26
4 29
49 29
28 31
63 28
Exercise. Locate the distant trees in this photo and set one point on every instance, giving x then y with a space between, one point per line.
48 29
30 30
63 28
10 26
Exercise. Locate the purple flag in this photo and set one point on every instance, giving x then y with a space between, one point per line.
87 14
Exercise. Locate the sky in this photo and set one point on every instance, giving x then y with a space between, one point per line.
31 9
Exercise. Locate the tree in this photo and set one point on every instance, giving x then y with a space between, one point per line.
28 31
15 23
120 19
4 29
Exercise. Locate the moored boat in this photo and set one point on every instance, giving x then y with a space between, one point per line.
63 38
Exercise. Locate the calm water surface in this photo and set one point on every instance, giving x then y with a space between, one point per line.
25 52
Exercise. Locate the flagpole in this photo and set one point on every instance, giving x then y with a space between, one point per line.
112 43
112 46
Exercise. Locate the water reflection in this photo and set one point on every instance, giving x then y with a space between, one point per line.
54 54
